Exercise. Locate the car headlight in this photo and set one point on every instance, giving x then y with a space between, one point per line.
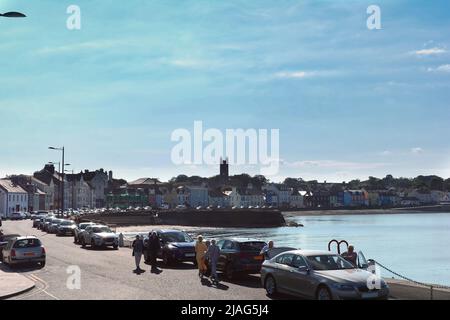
343 287
171 246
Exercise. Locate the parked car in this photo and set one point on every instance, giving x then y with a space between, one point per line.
66 228
46 223
4 238
36 220
53 226
318 275
99 236
22 250
176 246
79 229
17 216
240 256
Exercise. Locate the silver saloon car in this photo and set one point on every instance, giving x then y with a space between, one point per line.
320 275
23 250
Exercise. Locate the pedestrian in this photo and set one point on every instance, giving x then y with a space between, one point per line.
138 248
200 251
213 254
154 246
266 249
351 256
121 243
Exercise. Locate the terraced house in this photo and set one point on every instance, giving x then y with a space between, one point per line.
13 198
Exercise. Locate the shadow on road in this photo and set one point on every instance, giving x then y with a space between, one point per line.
174 266
206 282
26 267
250 281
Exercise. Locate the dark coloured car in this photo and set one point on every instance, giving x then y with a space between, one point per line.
176 246
240 256
66 228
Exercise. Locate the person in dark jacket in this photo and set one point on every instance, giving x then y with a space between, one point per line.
154 246
138 249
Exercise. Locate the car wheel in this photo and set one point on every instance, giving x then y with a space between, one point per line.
323 293
42 264
93 244
270 286
229 272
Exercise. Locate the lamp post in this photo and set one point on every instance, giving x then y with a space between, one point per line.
73 188
12 14
62 168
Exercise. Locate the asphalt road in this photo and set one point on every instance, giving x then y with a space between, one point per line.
108 274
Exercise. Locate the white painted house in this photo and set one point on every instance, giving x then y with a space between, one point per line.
12 198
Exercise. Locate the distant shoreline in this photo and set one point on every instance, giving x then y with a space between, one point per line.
338 212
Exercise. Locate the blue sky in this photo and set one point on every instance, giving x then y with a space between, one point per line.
349 102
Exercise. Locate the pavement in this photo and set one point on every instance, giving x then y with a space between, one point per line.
404 290
12 284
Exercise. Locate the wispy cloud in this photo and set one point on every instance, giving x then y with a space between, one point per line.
386 153
417 150
442 68
295 74
334 164
429 52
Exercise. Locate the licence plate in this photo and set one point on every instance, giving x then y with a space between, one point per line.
190 254
369 295
28 254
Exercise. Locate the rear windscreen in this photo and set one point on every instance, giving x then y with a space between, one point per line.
27 243
251 246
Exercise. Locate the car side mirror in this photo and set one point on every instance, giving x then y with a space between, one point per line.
304 269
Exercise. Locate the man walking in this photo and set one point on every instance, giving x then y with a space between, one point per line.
138 248
154 246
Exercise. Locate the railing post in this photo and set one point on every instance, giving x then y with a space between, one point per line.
431 293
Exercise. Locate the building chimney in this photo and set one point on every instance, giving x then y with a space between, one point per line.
110 175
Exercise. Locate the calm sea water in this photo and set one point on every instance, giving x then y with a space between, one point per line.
415 245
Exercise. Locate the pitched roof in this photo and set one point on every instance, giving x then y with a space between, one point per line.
148 181
9 187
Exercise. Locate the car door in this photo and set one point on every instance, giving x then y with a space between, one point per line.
300 281
282 271
225 254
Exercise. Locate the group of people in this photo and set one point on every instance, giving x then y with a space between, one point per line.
152 248
207 253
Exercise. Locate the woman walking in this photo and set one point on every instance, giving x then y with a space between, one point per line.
200 251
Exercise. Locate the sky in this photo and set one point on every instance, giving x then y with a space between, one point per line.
349 102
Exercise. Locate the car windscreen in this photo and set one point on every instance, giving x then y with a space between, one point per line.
84 225
67 223
328 262
176 237
27 243
251 246
101 230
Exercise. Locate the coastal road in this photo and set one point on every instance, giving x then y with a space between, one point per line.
108 274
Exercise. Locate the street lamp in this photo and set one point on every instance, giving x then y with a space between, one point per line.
12 14
62 168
